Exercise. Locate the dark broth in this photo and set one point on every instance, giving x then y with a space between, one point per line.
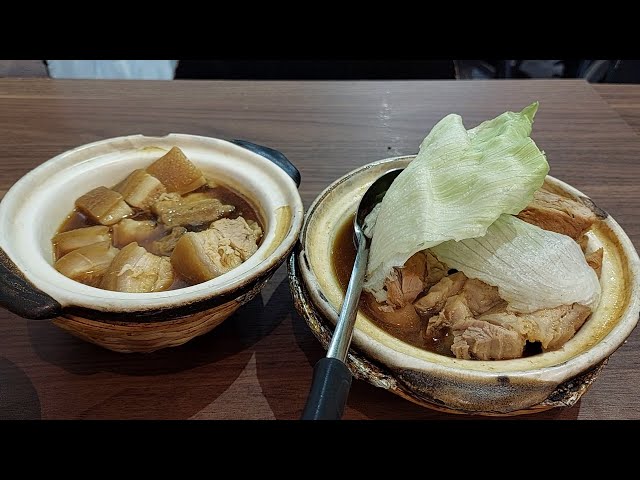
343 256
225 194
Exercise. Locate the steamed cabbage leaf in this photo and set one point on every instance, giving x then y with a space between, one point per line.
460 182
532 268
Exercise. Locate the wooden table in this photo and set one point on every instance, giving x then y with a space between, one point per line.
258 364
624 99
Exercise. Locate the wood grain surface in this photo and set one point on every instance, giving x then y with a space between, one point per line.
624 99
258 363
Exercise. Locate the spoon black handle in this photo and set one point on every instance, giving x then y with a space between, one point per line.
329 390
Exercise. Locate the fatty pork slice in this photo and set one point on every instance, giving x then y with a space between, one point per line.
480 340
128 230
204 255
87 264
176 172
194 209
103 206
552 327
558 214
135 270
66 242
140 189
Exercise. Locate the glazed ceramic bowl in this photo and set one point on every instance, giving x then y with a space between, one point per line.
34 208
501 387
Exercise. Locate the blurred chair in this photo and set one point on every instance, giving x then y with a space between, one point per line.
112 69
23 68
622 71
593 71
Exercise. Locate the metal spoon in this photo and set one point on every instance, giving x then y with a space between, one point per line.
331 376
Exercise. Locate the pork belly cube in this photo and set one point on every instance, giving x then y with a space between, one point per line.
104 206
201 256
194 209
65 242
87 264
128 230
135 270
176 172
140 189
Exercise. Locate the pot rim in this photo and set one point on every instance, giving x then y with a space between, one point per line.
75 295
554 373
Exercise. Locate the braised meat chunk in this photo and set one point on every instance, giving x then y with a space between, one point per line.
404 319
479 340
176 172
87 264
455 310
135 270
140 189
104 206
551 327
432 302
407 282
128 230
194 209
480 296
555 213
204 255
436 270
67 241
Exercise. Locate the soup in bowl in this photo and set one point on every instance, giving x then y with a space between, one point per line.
83 194
404 363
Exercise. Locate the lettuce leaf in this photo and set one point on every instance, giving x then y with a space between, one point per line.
532 268
460 182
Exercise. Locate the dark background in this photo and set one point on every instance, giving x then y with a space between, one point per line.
594 71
